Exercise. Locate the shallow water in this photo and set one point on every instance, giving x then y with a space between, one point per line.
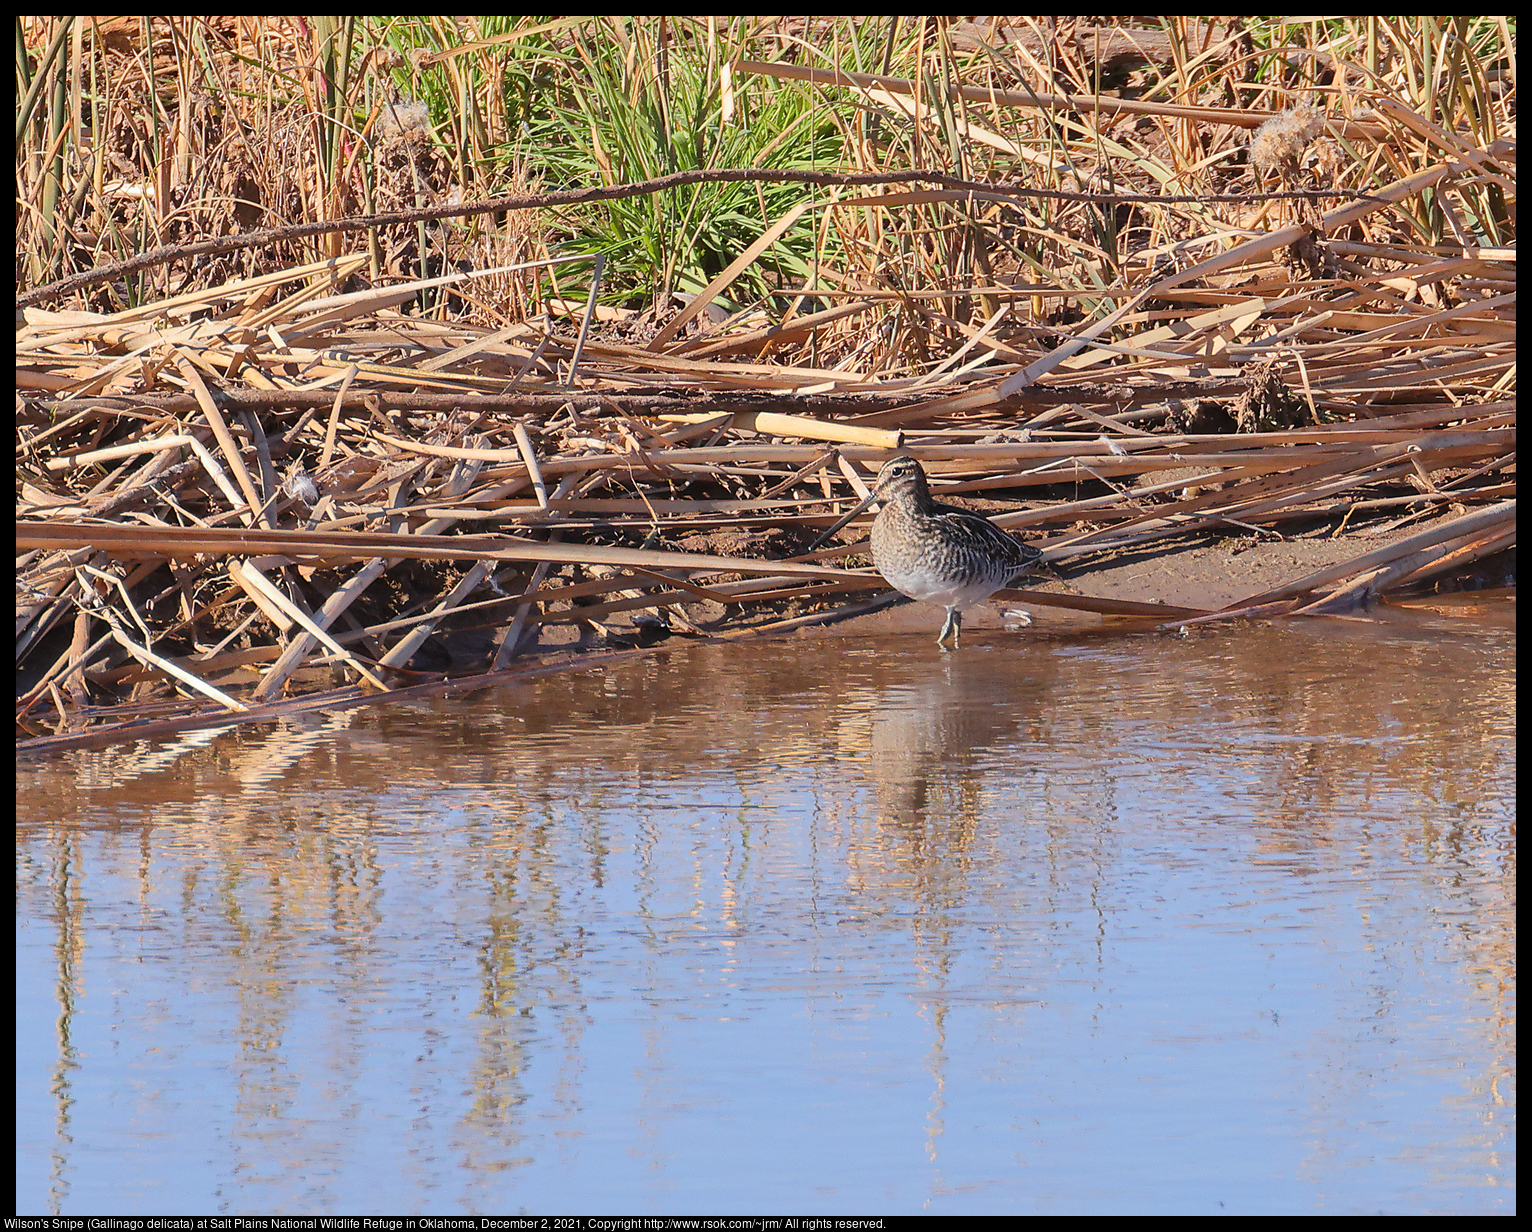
1066 924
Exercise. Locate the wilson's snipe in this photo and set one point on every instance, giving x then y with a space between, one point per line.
938 553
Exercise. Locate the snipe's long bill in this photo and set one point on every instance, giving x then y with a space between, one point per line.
938 553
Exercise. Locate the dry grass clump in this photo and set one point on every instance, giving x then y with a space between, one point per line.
267 445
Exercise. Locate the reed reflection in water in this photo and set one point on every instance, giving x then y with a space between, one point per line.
1078 925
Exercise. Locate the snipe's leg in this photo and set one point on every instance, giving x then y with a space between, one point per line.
953 625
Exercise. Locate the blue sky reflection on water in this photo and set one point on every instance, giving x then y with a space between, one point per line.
1121 924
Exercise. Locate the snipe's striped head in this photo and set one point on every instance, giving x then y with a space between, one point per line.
901 477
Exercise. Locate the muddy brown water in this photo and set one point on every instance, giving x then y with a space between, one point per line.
1062 922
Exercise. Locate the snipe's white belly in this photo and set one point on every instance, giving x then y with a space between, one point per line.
929 586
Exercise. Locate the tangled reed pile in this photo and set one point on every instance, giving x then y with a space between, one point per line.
311 484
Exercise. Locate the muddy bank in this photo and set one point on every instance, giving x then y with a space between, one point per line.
1218 573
